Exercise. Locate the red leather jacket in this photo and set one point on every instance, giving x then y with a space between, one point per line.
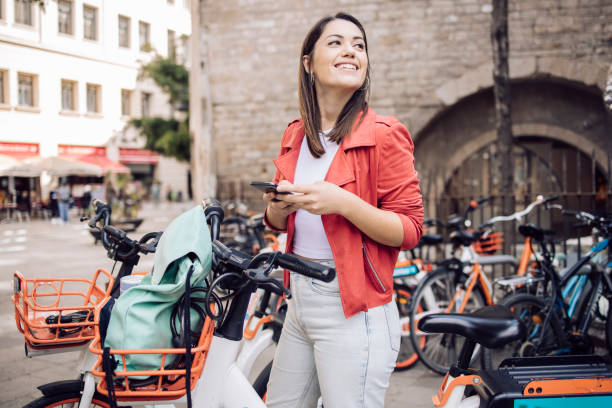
376 163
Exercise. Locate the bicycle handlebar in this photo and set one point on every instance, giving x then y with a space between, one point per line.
251 266
519 214
115 238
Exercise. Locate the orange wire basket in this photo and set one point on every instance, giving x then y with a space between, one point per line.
489 245
58 313
165 383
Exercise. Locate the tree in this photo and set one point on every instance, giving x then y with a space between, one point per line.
169 137
501 91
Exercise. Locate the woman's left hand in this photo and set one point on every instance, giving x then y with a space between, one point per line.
318 198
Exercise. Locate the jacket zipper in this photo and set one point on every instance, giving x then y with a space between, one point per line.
378 280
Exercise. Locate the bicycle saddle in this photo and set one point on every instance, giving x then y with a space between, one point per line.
430 239
533 231
492 326
463 238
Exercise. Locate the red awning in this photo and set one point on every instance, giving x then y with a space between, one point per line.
137 156
19 150
93 155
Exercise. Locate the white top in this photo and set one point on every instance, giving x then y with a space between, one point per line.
309 239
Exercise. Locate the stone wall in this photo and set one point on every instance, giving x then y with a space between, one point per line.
426 56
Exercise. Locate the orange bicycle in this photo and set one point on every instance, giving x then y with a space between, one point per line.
459 285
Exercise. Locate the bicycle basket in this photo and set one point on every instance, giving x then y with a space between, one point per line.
58 313
489 244
161 384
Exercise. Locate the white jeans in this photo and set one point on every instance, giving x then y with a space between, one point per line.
320 352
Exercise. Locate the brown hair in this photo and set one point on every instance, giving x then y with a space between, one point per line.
309 107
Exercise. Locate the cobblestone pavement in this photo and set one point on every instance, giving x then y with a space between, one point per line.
42 249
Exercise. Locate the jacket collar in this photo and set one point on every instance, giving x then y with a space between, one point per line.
340 170
362 136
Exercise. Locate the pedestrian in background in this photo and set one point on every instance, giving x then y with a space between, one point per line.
355 203
63 201
85 201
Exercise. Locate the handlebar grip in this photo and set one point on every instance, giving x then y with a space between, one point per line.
97 203
306 268
115 232
483 200
212 208
570 212
550 199
430 222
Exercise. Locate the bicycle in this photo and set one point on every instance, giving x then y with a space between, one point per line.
229 262
560 315
458 285
557 381
407 274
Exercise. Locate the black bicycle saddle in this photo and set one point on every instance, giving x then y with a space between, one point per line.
492 326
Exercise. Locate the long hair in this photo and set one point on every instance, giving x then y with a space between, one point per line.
309 107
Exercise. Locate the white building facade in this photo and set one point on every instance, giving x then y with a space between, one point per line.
69 75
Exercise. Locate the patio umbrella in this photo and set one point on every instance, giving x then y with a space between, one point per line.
10 166
60 167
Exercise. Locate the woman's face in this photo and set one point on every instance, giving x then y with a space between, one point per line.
339 58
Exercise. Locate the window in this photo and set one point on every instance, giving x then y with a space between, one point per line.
143 33
90 23
124 32
146 104
69 95
126 102
4 95
64 17
93 98
171 44
27 88
23 12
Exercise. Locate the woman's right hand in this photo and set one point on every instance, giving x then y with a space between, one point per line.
278 209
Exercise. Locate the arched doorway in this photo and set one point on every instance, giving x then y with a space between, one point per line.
542 166
562 145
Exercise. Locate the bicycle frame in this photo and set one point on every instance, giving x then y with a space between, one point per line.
572 285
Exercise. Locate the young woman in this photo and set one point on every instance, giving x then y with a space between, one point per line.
349 197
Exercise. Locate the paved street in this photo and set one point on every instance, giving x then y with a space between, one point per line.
39 249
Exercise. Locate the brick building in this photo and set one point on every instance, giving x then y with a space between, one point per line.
432 68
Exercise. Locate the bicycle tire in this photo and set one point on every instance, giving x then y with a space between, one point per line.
609 329
407 356
530 310
61 399
260 385
433 295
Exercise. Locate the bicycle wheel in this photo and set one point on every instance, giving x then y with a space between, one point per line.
609 329
68 400
434 295
407 356
529 309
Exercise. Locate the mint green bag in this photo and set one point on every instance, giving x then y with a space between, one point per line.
140 318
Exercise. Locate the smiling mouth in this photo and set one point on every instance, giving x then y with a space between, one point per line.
349 67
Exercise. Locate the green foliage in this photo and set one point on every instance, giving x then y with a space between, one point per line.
171 77
169 137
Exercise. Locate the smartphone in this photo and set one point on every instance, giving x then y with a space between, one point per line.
266 187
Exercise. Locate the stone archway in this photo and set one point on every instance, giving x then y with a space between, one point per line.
561 110
582 73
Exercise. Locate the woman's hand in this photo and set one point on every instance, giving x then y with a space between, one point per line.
318 198
278 210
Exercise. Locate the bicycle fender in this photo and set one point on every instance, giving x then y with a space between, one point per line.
64 386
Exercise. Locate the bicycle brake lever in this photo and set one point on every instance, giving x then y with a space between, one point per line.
260 275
